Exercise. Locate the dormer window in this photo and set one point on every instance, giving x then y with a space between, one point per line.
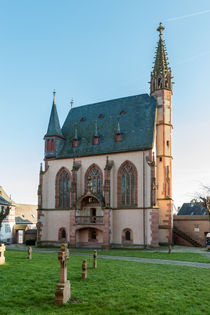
118 137
96 140
75 143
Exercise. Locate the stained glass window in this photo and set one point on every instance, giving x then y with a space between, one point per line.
64 190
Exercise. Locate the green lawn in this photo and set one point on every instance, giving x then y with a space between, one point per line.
115 287
193 257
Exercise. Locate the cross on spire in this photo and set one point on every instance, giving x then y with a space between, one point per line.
72 103
160 29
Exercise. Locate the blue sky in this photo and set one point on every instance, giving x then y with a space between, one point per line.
98 50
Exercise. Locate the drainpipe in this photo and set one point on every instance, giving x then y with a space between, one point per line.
144 233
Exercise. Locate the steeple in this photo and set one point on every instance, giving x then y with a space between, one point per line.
161 73
54 128
54 137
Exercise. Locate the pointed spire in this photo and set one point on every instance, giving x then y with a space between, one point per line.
54 128
161 63
161 73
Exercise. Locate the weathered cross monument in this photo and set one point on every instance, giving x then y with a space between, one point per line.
95 259
84 269
62 292
2 250
29 253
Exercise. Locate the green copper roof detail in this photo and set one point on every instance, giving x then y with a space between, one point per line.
132 116
54 128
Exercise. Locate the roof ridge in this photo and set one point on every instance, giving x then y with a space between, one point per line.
111 100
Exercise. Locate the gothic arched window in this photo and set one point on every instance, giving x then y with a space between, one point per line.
127 185
63 189
94 179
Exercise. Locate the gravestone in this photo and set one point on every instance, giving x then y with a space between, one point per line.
62 292
84 269
95 259
29 253
2 250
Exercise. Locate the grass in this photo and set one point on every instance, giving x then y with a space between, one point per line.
193 257
115 287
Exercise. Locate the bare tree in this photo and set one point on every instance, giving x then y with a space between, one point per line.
4 211
204 197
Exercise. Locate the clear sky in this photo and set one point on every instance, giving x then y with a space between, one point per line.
97 50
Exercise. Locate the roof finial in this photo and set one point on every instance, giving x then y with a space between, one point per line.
118 126
160 29
54 92
75 132
72 103
96 129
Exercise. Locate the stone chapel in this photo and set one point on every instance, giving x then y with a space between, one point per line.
108 170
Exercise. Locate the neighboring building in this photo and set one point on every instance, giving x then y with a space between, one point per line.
20 224
6 231
25 223
107 177
192 208
191 225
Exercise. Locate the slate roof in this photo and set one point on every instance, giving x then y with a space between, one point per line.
4 202
54 128
192 208
25 213
136 117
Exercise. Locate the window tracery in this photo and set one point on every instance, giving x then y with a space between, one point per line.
127 185
63 184
94 179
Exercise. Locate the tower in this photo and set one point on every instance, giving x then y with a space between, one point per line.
54 137
161 90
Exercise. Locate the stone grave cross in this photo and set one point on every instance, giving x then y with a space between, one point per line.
30 253
95 259
2 250
62 292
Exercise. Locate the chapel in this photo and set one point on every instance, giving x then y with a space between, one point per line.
107 176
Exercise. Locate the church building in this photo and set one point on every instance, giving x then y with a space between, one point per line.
108 171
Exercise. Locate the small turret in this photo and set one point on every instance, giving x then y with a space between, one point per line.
54 136
118 135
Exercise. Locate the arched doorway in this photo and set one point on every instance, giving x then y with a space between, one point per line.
89 237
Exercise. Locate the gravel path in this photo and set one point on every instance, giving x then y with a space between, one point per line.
145 260
148 260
